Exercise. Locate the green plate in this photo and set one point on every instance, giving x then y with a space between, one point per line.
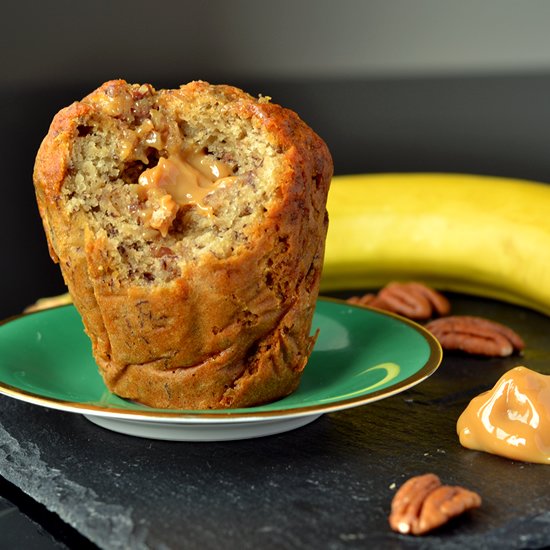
362 355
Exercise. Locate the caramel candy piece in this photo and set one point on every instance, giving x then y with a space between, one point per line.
512 419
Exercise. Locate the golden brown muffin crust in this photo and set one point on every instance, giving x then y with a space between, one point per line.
217 311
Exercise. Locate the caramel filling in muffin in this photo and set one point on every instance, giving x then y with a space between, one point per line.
178 180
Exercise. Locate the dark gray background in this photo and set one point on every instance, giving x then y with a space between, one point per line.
381 81
71 40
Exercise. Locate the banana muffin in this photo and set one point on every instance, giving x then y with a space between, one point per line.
189 225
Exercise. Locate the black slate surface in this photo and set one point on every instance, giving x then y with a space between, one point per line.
19 531
326 485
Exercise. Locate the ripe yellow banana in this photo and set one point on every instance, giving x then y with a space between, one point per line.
480 235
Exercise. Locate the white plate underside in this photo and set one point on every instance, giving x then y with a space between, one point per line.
223 431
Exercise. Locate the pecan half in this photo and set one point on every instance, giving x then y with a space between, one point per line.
475 335
369 300
413 300
423 503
